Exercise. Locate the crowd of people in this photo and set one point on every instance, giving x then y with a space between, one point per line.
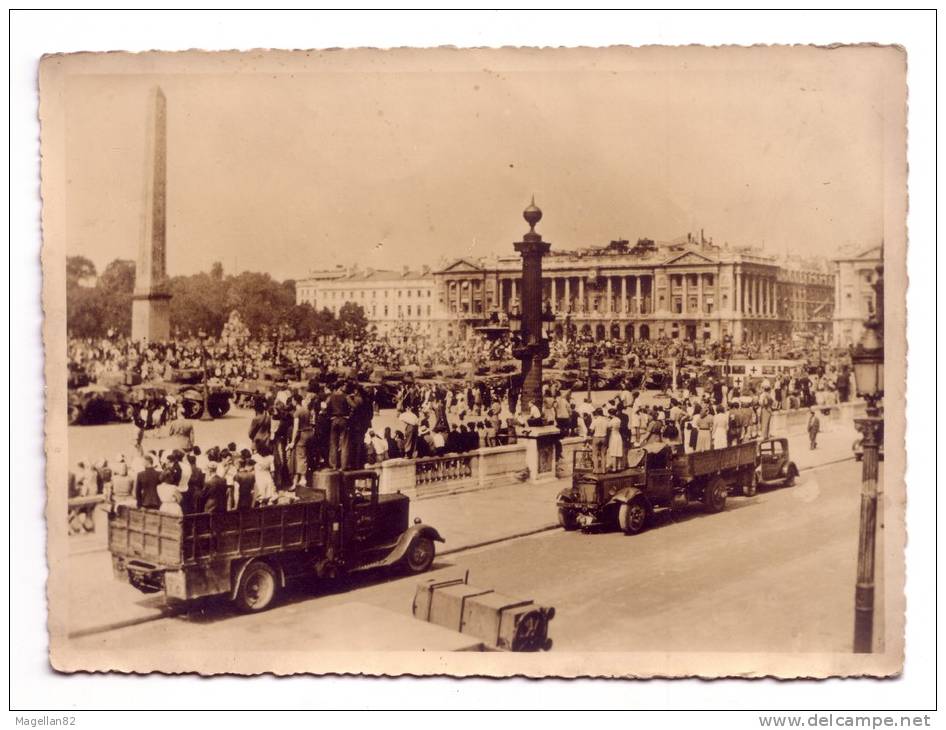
334 423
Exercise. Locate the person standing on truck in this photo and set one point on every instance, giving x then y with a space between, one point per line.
260 426
720 427
146 485
599 441
765 413
245 480
339 410
615 442
214 496
704 428
814 426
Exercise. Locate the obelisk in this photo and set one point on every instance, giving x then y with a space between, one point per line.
150 309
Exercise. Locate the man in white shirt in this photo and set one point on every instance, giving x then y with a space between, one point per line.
599 441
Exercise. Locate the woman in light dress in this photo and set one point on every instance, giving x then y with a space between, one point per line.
704 425
615 443
169 494
720 428
264 484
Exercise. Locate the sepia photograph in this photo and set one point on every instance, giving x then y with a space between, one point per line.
542 362
529 351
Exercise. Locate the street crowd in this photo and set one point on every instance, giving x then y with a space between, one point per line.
335 423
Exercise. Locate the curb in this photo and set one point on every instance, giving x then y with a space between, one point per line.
497 540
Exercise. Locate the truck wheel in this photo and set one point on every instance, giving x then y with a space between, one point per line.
632 516
193 408
257 588
792 474
752 486
714 496
567 519
420 555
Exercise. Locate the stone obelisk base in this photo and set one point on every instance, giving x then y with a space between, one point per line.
151 317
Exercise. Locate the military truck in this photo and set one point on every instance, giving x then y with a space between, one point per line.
658 476
341 527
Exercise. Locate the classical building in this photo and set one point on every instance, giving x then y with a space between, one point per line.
396 302
806 298
854 294
693 290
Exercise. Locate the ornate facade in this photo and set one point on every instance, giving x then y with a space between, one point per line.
694 292
855 298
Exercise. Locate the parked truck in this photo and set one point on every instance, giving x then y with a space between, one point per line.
658 476
343 526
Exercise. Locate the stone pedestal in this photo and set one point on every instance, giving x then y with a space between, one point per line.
151 317
540 443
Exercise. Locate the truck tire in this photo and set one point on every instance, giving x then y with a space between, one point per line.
567 519
258 587
420 555
792 475
632 517
192 408
714 495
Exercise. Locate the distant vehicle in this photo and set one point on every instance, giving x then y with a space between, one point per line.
749 373
250 555
657 477
775 466
97 404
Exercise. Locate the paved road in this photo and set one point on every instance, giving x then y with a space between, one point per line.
772 573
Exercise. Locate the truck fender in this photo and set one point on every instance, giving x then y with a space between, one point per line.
566 496
240 569
404 541
627 494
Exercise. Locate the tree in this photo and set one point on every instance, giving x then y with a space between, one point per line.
116 284
84 312
352 321
216 271
79 269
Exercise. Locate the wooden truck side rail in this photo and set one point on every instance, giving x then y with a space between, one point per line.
174 541
688 467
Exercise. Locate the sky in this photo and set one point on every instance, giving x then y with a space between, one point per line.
387 159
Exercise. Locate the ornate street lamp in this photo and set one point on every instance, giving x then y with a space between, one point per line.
868 361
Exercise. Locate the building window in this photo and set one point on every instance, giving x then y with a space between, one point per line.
400 312
385 310
398 293
428 292
677 304
428 310
408 293
418 294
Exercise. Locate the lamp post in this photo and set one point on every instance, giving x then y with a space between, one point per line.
205 412
533 347
868 361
